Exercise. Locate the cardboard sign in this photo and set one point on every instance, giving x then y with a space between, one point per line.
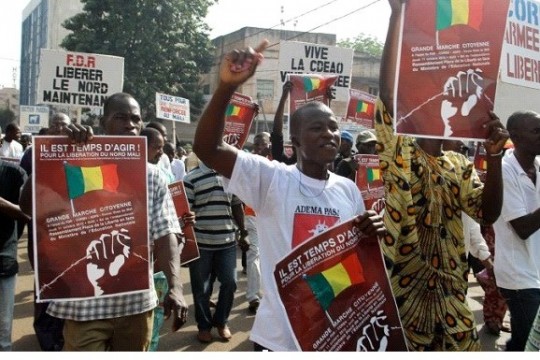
78 79
239 116
448 67
336 294
173 108
90 226
190 251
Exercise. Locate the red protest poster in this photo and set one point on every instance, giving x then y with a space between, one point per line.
239 115
448 68
369 181
309 87
90 225
480 162
360 110
336 294
190 251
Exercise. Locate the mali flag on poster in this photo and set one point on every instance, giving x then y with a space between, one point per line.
311 83
83 179
363 107
373 174
328 284
459 12
233 110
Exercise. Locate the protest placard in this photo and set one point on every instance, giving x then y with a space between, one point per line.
309 87
78 79
33 118
448 67
360 111
90 225
173 108
239 116
369 181
190 251
336 293
307 58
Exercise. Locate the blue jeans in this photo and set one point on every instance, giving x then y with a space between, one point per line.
212 264
7 304
523 305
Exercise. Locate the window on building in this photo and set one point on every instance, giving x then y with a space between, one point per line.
265 89
374 91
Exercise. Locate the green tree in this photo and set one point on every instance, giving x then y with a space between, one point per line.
364 43
165 45
6 116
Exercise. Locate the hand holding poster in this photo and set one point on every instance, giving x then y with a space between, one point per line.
336 294
309 87
190 251
369 181
90 228
448 68
238 119
360 111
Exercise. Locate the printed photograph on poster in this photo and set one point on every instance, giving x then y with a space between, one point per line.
239 116
89 200
450 55
336 294
309 87
190 251
369 181
360 111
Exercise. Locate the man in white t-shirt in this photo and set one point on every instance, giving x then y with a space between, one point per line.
517 245
292 202
178 167
11 147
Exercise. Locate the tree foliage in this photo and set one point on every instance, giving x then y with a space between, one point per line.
165 45
364 43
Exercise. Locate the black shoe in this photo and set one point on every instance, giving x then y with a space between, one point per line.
254 306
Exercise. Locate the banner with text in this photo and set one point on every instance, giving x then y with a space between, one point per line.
239 116
90 225
336 294
33 118
190 251
78 79
450 55
306 58
173 108
520 62
309 87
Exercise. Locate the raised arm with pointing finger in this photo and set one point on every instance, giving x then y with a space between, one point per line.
292 202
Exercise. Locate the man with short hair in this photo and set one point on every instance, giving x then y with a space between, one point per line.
124 322
163 164
178 167
517 245
365 144
11 147
154 144
278 192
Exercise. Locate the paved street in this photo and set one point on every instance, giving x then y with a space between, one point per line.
185 339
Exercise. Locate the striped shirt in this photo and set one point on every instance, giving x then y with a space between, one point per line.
162 221
214 222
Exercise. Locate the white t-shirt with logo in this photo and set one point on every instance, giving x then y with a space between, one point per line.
291 208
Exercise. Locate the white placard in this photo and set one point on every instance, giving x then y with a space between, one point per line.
78 79
173 108
33 118
307 58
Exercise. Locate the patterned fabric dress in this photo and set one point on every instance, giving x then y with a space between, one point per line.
424 248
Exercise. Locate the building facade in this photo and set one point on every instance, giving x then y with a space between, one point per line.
41 29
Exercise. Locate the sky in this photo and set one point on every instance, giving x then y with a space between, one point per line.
345 18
